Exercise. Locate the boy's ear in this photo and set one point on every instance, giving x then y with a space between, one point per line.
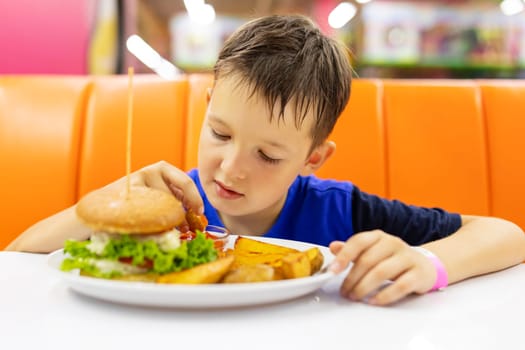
208 94
317 158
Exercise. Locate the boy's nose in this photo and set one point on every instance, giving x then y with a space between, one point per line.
233 166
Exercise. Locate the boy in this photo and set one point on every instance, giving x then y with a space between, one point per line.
280 86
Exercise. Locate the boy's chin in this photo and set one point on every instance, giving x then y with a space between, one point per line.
241 208
228 207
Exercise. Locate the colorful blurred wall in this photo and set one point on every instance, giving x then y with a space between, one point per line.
45 36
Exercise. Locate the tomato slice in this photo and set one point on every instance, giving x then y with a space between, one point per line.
147 264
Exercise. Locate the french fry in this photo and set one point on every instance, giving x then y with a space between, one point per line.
250 273
243 244
211 272
249 261
286 262
195 221
316 259
150 277
242 259
295 265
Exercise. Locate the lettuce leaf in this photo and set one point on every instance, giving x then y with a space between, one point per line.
190 253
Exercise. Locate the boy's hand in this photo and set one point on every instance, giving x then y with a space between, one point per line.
378 257
167 177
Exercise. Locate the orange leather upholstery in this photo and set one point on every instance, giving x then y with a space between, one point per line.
504 107
159 110
453 144
436 146
40 129
360 127
198 103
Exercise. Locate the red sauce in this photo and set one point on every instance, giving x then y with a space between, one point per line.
218 241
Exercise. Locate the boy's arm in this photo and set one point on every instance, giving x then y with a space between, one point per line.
49 234
481 245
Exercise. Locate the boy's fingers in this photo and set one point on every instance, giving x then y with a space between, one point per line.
169 178
183 187
336 246
402 287
388 269
189 195
353 248
368 264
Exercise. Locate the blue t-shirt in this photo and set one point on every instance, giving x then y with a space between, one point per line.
320 211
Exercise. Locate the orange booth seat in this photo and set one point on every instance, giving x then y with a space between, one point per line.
41 125
158 119
455 144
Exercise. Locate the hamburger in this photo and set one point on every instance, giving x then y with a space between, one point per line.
136 235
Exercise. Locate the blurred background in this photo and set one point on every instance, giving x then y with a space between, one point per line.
387 38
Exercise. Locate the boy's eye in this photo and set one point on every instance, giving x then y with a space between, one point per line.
219 136
267 159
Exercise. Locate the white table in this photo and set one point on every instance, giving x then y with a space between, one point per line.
38 311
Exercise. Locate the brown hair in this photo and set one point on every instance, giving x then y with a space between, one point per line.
288 59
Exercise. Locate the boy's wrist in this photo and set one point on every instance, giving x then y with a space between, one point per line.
441 273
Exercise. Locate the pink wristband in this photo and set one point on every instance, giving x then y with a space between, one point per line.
442 276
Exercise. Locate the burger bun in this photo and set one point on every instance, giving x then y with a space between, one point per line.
143 210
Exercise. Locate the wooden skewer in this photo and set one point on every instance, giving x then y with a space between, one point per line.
129 128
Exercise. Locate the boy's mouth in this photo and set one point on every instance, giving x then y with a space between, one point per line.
225 192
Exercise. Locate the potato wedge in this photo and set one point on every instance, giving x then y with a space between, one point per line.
211 272
295 265
195 221
147 277
250 273
243 244
254 259
316 259
252 252
141 277
287 262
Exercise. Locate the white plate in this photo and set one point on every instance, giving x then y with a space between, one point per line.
197 296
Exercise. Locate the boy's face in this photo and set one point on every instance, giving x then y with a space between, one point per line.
246 162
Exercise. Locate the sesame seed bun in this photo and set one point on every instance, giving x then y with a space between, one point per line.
143 211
